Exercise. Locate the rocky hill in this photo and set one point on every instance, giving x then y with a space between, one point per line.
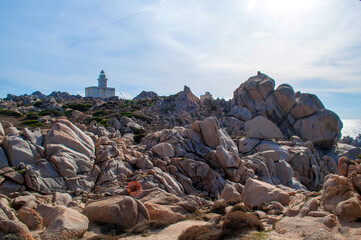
266 164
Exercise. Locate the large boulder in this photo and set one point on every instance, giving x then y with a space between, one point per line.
322 128
262 128
73 154
62 223
123 211
3 159
209 129
240 113
164 150
10 224
256 192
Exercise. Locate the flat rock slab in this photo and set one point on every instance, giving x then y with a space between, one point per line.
171 232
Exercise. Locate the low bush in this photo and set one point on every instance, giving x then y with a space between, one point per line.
83 107
100 113
10 113
140 117
139 131
219 208
199 233
32 123
51 113
110 229
213 107
239 207
237 222
32 116
138 137
148 226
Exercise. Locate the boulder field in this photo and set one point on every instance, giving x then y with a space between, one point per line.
271 153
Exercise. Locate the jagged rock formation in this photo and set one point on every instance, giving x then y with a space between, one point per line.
146 95
298 113
261 148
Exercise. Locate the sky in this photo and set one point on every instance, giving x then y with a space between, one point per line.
162 45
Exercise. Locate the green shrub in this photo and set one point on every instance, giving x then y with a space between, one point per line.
10 113
97 119
32 123
38 104
32 116
110 229
83 107
140 117
214 108
236 223
51 113
68 113
100 113
138 137
139 131
104 122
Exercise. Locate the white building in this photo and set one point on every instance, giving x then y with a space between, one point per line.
102 91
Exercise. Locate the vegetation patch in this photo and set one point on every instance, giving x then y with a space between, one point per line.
32 123
199 233
237 223
51 113
138 137
32 116
100 113
83 107
219 208
149 226
10 113
240 207
137 116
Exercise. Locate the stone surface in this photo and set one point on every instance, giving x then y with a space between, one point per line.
256 192
240 113
246 145
62 222
31 218
209 128
322 128
164 150
262 128
123 211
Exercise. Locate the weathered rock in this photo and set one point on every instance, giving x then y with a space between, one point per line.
247 144
18 150
306 105
232 191
209 129
2 132
262 128
72 152
61 198
62 222
256 192
43 178
322 128
146 95
123 211
9 223
3 159
310 205
164 150
240 113
348 151
349 209
330 221
31 218
186 100
284 172
285 97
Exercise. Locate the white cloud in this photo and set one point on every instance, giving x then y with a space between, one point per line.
124 95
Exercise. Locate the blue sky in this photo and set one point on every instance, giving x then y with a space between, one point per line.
162 45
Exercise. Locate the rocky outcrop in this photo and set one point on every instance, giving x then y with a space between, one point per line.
294 113
186 100
146 95
123 211
62 222
262 128
256 192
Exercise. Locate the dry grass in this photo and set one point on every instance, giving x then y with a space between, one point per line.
199 233
240 207
236 223
149 226
219 208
